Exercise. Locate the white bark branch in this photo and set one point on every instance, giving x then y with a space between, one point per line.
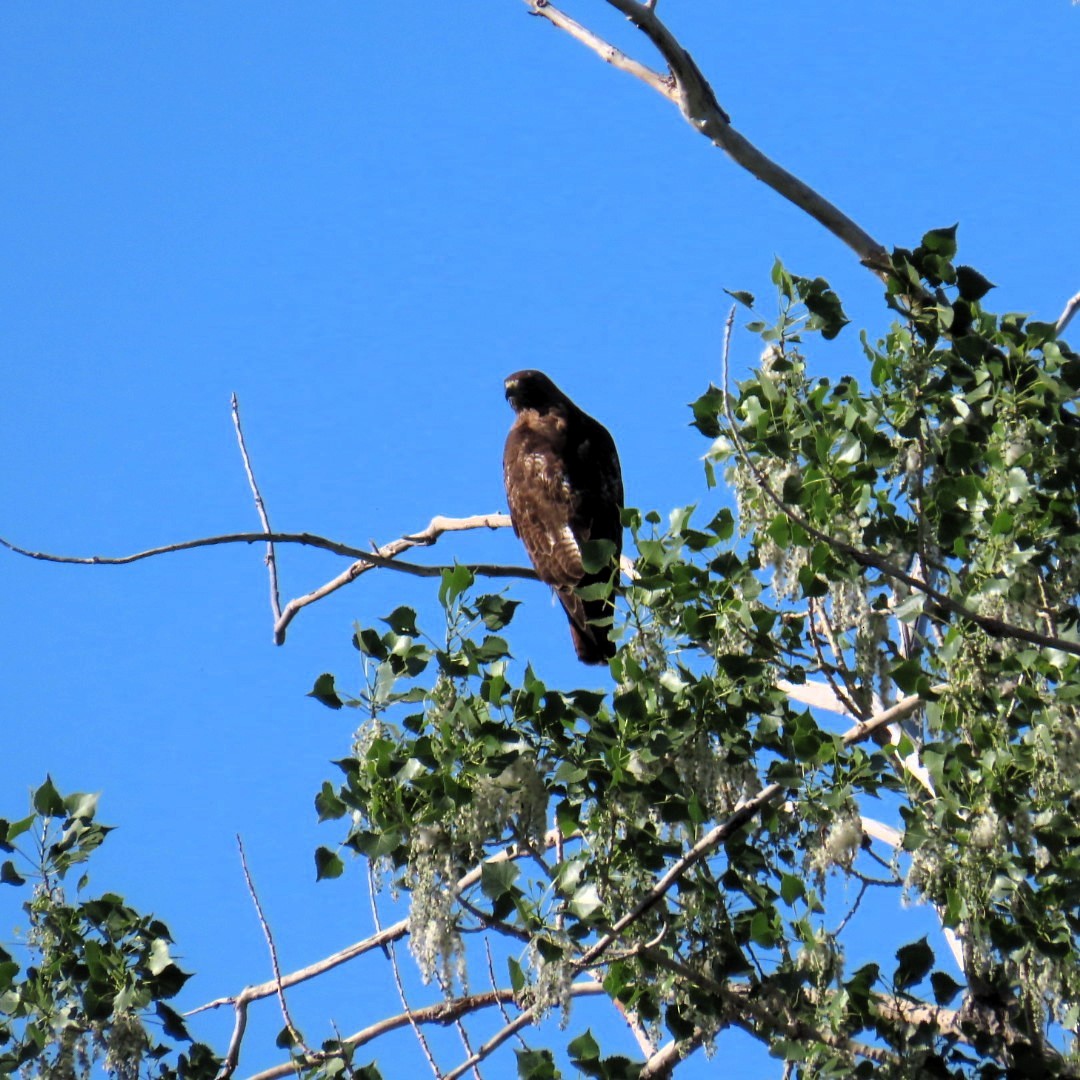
1065 318
691 92
384 557
443 1012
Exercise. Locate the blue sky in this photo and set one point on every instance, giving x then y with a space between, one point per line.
359 218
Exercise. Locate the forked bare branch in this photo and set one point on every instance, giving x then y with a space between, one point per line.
384 557
387 556
690 91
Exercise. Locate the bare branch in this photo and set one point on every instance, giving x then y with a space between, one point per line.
385 556
662 1063
697 102
372 558
1071 308
375 941
817 695
270 943
391 954
608 53
443 1012
260 506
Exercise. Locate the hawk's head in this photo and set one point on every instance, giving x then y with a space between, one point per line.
532 390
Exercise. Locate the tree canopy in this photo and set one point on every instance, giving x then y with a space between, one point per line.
842 698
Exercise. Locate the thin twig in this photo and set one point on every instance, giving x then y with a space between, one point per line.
293 1031
819 624
260 506
494 984
462 1031
391 954
374 941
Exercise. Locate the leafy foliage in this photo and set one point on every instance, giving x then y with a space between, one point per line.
906 537
859 685
97 974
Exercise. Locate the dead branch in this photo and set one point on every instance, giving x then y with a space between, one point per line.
443 1012
384 557
690 91
293 1032
260 507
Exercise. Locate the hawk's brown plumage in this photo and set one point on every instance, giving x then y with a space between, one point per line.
564 487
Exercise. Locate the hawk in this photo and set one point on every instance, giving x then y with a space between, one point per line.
564 487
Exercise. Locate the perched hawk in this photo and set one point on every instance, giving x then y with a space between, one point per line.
564 486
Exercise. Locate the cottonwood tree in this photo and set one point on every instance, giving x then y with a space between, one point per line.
862 682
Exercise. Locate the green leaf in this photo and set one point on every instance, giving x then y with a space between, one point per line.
496 611
585 902
9 875
941 242
971 284
48 801
584 1050
915 962
402 620
792 888
536 1065
328 804
744 298
454 582
172 1022
324 691
517 975
945 987
597 555
328 864
497 879
159 958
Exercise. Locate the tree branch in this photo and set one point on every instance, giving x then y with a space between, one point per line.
260 506
992 626
719 833
1065 318
443 1012
384 557
689 89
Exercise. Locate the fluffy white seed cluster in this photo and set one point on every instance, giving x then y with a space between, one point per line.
516 796
843 839
434 939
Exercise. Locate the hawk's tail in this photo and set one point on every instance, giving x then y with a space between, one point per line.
592 643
